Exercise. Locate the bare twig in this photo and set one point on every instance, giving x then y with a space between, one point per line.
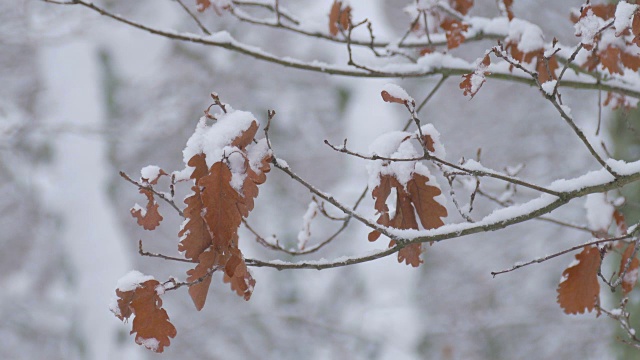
161 256
430 157
193 16
549 257
229 43
156 193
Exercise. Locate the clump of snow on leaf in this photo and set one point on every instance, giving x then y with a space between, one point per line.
587 27
394 93
132 280
599 211
430 130
215 141
212 140
528 36
392 145
150 173
624 13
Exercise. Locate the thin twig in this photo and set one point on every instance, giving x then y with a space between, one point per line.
229 43
549 257
193 16
156 193
494 175
161 256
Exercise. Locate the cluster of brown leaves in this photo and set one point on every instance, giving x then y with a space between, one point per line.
614 57
454 28
151 322
208 236
414 201
415 197
213 213
339 18
545 67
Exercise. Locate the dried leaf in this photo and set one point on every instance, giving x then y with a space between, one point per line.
427 50
423 199
610 58
546 68
635 29
203 5
461 6
471 83
339 18
417 197
345 18
334 17
238 275
579 289
621 223
244 138
631 276
151 217
390 98
508 7
214 213
630 61
428 142
604 11
194 233
151 322
208 260
454 30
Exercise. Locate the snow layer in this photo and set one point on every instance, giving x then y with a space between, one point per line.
132 280
624 13
599 211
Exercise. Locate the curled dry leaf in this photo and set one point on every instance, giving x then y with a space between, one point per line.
471 83
150 218
631 275
339 18
151 323
579 289
390 98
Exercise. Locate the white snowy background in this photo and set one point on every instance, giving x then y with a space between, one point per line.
84 97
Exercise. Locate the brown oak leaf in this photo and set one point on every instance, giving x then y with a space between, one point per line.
508 7
454 30
631 275
391 99
151 217
194 233
339 18
151 323
416 198
579 289
461 6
